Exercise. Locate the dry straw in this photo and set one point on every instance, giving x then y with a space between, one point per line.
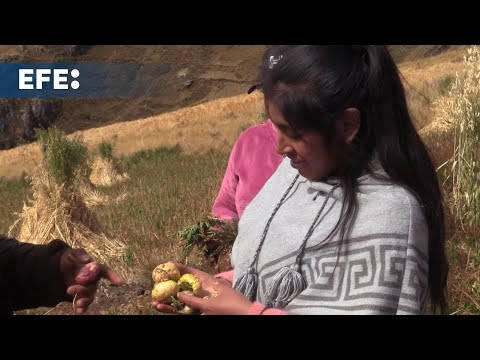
58 209
461 108
105 172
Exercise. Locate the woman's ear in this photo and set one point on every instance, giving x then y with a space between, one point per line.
350 124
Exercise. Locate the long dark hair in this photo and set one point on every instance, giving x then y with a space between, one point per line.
320 82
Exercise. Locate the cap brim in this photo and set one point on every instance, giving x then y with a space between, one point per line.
254 87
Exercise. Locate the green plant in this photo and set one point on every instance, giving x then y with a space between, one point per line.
212 236
63 158
129 257
105 150
445 84
13 193
263 116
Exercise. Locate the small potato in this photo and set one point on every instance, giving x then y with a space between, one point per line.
188 292
88 273
190 282
164 291
171 269
185 309
159 275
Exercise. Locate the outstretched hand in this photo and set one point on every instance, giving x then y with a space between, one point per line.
75 264
218 297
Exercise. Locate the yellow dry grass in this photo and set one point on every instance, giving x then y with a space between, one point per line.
105 173
441 123
215 125
422 80
433 68
92 197
212 125
57 212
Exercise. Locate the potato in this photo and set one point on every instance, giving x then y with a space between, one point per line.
159 275
190 282
164 291
168 283
171 269
188 292
88 274
185 309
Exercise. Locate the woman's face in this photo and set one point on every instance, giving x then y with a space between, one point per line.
308 151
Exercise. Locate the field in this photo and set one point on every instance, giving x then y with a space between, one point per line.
175 162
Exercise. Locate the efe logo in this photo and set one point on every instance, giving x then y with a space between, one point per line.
29 79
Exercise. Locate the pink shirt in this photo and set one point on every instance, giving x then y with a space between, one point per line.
252 161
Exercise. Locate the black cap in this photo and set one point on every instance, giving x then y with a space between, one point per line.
269 59
254 87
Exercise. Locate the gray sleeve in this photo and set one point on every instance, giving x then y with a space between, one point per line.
413 293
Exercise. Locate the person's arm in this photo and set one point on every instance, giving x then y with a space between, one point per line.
30 274
225 206
226 275
413 290
258 308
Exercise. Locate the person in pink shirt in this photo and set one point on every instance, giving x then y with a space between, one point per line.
252 161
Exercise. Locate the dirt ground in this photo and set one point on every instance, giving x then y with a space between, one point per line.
129 299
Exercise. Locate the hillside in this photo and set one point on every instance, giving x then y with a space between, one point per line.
199 124
190 75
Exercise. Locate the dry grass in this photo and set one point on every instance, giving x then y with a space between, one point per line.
58 209
427 70
198 129
461 110
12 195
421 103
426 80
94 197
106 172
463 247
214 124
58 212
168 190
464 278
210 126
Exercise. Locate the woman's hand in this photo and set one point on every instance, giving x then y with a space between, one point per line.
217 296
223 300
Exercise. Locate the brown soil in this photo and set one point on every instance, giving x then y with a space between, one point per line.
129 299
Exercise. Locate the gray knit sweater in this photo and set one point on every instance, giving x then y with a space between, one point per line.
383 263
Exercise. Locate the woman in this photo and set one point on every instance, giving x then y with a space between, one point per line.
352 220
251 163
